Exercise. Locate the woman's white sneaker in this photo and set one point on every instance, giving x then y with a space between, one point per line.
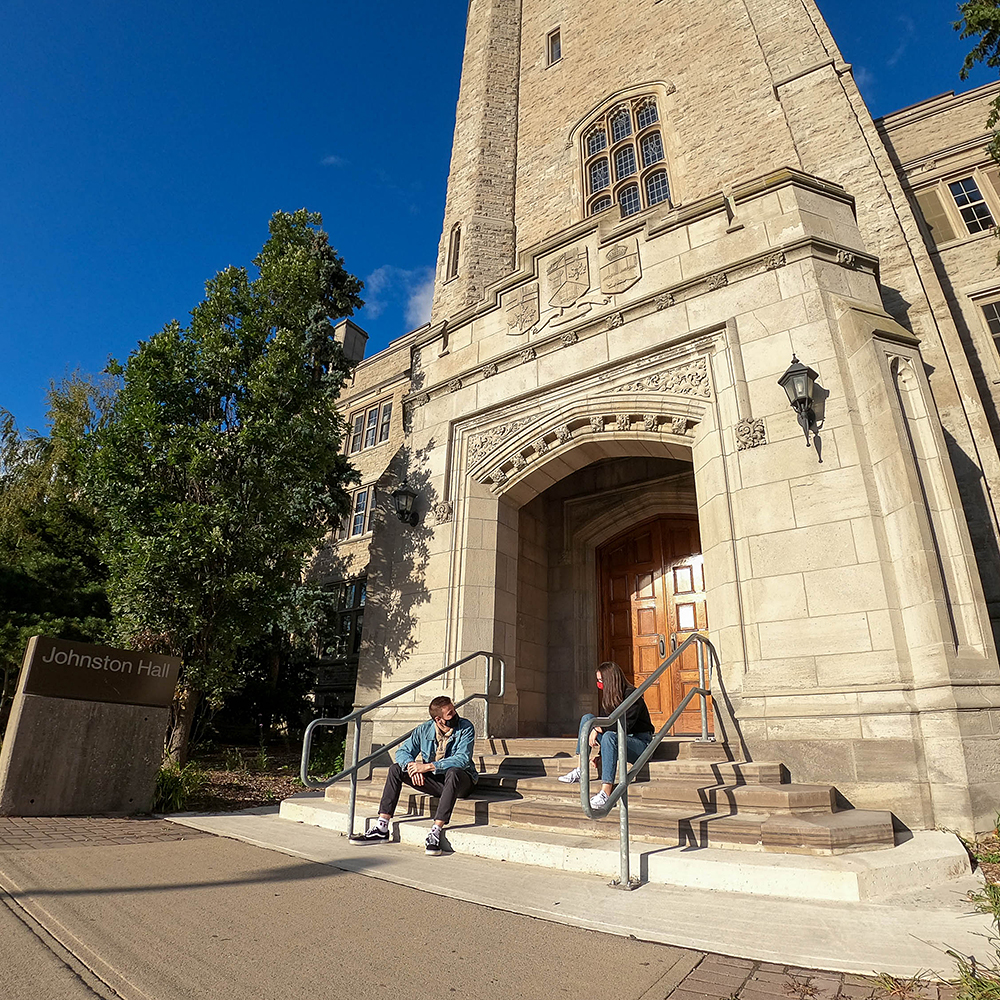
600 800
572 777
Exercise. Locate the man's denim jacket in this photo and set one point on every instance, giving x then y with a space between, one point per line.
458 751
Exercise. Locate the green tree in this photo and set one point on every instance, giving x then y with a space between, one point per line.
52 578
220 470
981 20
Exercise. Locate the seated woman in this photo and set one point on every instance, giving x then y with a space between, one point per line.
614 690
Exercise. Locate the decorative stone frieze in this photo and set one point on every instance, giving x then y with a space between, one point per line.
775 261
568 338
690 379
563 433
520 462
454 385
488 371
847 259
719 280
521 310
623 422
615 320
664 301
443 511
597 424
541 446
528 354
487 441
414 402
649 421
750 433
678 425
619 267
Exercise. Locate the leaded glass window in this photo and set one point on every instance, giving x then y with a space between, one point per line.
629 200
596 141
633 176
621 126
652 149
647 115
600 177
657 188
624 162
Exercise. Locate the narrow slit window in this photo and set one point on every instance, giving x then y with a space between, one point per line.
554 47
454 249
371 428
357 433
383 431
991 313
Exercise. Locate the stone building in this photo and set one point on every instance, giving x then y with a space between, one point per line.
645 220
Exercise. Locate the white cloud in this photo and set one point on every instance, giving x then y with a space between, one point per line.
909 30
408 291
333 161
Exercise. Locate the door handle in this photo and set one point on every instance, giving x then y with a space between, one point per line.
663 646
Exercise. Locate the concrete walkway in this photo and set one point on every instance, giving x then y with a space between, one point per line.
902 935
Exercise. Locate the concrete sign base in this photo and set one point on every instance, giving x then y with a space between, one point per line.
86 730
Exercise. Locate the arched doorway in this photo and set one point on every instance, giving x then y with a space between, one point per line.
651 582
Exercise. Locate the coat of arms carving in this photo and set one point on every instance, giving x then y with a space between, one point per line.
521 309
620 266
569 280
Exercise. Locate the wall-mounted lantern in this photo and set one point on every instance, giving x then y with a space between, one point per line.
799 381
403 498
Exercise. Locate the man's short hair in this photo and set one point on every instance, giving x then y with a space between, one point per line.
438 705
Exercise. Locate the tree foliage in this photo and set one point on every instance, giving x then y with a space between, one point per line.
220 469
981 20
52 577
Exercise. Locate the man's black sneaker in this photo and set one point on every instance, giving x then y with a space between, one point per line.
432 845
373 836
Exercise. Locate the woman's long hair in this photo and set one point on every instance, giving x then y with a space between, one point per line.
613 692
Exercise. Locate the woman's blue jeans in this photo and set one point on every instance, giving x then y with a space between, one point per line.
634 746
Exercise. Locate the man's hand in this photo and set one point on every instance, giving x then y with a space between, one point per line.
417 771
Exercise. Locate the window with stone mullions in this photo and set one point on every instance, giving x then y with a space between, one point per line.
370 427
637 154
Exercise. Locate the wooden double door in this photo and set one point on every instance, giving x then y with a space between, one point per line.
652 587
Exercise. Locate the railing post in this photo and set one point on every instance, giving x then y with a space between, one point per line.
625 879
704 697
355 757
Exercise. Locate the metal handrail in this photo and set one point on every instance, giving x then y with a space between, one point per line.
358 714
619 793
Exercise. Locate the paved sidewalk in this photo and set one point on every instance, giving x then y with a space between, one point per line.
35 833
144 908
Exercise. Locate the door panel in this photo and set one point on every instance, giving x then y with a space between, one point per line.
652 585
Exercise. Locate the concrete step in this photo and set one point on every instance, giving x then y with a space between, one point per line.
681 748
772 818
924 859
720 772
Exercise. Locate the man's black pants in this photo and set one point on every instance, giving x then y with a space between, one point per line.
456 783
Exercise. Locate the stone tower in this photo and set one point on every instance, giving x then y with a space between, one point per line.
650 207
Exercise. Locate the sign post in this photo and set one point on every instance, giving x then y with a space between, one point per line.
86 730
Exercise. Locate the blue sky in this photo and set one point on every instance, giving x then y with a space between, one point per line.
145 146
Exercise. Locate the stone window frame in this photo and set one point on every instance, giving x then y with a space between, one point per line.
938 206
369 426
338 648
358 521
594 149
454 252
553 46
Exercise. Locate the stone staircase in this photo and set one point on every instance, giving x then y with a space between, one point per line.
691 795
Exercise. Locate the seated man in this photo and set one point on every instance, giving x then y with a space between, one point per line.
445 742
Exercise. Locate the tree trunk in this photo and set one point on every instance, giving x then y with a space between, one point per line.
181 720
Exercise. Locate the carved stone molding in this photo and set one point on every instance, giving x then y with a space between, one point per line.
443 511
719 280
454 385
488 371
750 433
846 259
615 320
671 88
520 461
664 301
541 446
597 424
649 421
623 422
678 425
690 379
563 433
487 441
414 402
775 261
568 338
528 354
498 476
